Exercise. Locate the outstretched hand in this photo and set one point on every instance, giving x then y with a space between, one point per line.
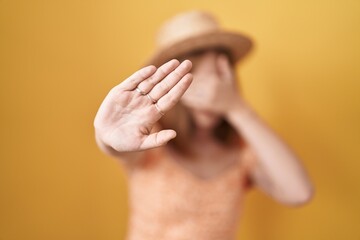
126 118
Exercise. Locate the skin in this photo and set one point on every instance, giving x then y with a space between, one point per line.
125 124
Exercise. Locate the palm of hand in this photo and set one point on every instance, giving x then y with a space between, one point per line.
129 120
127 116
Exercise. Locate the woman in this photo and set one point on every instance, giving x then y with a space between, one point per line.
193 187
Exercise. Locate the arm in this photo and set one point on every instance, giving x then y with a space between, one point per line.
276 169
125 122
274 166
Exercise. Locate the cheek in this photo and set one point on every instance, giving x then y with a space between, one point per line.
204 80
195 88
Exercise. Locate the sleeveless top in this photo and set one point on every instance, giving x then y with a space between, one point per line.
169 202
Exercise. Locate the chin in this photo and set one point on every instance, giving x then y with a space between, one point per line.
206 120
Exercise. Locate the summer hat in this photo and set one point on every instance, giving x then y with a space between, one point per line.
193 31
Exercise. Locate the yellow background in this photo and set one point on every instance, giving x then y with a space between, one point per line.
58 59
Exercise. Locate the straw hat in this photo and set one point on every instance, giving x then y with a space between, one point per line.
196 30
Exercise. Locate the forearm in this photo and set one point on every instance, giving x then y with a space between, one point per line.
277 169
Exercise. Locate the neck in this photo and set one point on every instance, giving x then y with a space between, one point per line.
203 134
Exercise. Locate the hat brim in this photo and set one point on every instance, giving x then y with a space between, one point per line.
237 45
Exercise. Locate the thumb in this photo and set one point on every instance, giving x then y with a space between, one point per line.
158 139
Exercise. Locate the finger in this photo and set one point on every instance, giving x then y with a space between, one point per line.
173 96
224 67
158 139
133 81
171 80
159 75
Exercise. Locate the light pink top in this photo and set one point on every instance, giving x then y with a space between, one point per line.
169 202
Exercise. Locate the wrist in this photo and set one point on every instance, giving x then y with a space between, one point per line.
239 112
237 106
104 147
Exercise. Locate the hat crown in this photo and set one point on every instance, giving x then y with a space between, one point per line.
185 26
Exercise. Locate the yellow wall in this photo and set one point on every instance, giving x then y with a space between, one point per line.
58 59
